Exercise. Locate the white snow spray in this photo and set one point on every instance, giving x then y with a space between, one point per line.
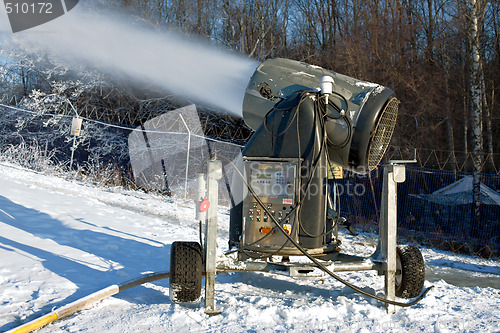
116 43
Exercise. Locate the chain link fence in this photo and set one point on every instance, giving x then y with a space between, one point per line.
435 207
163 155
166 153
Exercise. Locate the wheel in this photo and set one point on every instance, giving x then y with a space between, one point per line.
186 268
410 271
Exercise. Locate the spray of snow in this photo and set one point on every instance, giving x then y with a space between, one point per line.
119 44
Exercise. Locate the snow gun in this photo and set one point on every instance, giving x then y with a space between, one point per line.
310 125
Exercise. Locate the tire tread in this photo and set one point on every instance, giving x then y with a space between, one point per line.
413 271
186 263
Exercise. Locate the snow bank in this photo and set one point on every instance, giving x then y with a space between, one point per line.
61 240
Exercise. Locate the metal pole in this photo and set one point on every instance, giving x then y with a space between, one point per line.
72 153
214 174
187 156
201 190
76 126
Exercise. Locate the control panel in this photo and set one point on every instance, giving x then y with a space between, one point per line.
274 183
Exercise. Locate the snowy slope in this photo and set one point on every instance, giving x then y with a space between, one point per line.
61 240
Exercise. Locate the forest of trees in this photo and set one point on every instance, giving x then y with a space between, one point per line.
441 57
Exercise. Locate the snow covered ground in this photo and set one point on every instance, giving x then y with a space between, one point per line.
61 240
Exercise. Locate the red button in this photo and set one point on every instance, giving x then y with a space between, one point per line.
204 205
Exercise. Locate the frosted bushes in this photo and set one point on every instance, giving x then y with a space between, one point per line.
31 156
42 142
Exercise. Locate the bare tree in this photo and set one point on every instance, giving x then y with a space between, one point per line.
475 10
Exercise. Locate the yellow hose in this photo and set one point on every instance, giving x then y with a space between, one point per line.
37 323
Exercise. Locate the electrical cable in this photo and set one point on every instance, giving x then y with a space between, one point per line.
342 116
266 255
348 136
286 128
303 95
335 187
316 163
299 176
326 113
200 230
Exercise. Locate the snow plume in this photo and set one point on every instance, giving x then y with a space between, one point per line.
118 44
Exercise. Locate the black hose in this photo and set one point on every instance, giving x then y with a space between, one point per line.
145 279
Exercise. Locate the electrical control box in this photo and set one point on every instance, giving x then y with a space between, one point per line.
275 183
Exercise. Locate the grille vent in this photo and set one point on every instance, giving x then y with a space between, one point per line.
382 134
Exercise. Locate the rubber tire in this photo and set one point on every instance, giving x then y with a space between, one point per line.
186 272
412 267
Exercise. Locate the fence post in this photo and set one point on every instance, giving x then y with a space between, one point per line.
187 156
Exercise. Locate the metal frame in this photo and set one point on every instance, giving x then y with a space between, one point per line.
382 260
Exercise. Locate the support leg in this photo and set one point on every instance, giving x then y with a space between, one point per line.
393 174
214 174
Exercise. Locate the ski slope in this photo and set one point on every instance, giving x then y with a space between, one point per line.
61 240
